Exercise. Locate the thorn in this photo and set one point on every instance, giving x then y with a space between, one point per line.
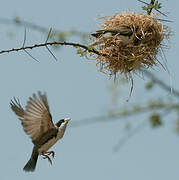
24 37
132 86
24 45
31 55
48 47
48 35
51 53
165 20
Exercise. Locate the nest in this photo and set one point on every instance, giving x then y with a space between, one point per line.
129 42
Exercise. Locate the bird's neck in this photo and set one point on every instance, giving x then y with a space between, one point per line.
61 130
63 126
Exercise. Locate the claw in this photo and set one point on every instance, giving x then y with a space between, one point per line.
47 157
51 153
47 154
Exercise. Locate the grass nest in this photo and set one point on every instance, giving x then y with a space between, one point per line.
132 43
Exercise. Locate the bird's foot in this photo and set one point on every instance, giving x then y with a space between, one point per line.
47 157
51 153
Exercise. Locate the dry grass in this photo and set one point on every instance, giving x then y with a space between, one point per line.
138 51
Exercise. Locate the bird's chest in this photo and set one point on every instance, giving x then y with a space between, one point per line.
45 147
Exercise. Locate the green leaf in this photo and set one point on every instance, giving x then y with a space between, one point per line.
81 52
149 85
17 20
155 6
136 109
62 36
91 47
155 120
124 112
144 8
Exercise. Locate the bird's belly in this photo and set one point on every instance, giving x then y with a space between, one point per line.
45 147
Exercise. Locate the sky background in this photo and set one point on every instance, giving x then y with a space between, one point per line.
76 89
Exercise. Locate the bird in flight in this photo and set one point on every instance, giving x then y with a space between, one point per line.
37 123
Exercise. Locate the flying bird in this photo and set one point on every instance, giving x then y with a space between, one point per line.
37 123
124 33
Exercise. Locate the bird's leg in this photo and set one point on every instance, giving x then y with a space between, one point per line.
50 153
45 156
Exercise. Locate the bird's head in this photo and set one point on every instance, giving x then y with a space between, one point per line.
63 121
67 120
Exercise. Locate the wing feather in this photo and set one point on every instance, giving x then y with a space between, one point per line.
36 118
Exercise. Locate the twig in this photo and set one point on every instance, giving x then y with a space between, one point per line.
165 107
18 22
129 135
150 9
135 130
116 116
161 83
53 43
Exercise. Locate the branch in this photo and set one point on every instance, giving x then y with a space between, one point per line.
131 133
151 6
18 22
161 83
53 43
150 10
131 112
165 107
134 131
91 50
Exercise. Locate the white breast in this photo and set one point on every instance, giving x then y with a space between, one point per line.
51 142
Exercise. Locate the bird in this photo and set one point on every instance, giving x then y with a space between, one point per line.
37 122
124 33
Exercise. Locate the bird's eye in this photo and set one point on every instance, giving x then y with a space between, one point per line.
62 120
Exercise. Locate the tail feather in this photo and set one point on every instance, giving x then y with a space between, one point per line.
31 164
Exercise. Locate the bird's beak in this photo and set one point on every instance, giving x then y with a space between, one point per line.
67 119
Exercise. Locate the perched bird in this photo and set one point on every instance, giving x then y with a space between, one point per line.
37 123
123 32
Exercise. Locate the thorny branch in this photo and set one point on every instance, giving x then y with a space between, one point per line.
147 73
53 43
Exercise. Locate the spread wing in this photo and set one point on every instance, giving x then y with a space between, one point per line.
36 118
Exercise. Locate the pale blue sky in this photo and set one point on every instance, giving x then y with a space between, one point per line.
76 89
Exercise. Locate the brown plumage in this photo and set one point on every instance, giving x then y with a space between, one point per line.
37 123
